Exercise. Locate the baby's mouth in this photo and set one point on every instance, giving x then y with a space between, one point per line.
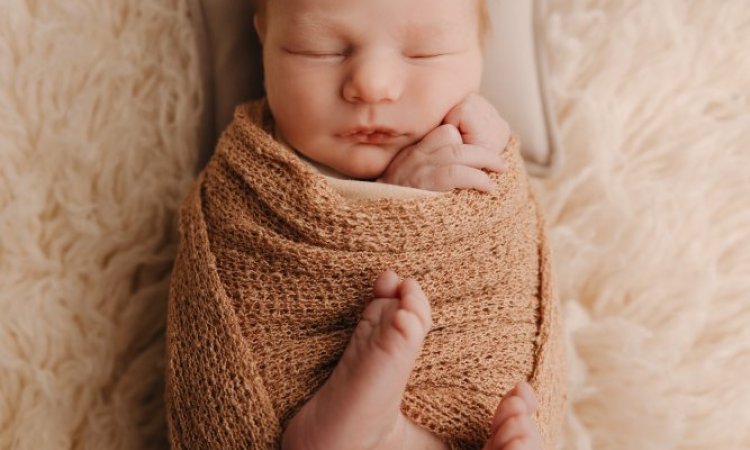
375 137
372 135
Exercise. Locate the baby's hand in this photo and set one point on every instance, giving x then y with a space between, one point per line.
452 155
479 123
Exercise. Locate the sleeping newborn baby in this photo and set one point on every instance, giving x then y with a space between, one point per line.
372 154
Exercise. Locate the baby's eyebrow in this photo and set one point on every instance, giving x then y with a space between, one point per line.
415 30
410 30
314 23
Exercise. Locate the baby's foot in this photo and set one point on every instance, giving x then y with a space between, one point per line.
512 426
359 405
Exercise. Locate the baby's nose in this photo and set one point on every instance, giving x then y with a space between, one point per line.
373 80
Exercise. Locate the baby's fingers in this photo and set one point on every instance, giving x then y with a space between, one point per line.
457 176
475 156
479 122
445 134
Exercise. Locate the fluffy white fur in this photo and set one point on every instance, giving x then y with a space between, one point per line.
99 102
650 220
649 217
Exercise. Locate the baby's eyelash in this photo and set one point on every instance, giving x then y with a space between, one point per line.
325 55
425 56
311 54
433 54
345 53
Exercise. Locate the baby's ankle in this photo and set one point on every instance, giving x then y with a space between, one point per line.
293 438
303 433
417 437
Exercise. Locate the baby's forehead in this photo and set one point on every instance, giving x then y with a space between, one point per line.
423 16
302 16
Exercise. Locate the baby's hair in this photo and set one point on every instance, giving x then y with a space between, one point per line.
485 25
260 7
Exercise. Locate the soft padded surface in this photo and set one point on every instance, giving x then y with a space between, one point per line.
648 218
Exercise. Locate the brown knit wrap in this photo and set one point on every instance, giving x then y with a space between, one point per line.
275 267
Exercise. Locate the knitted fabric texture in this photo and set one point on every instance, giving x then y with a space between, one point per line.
275 267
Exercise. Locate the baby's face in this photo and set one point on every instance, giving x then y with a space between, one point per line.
335 67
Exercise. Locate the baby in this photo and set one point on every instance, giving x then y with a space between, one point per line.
385 90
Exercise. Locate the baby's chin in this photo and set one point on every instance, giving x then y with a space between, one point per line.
351 159
364 161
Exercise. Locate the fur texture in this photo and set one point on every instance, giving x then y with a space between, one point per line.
99 103
650 220
98 107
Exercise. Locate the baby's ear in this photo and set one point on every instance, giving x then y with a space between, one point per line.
260 27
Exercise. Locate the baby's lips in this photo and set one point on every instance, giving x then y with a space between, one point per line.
371 129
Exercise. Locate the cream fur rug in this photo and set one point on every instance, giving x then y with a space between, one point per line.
649 217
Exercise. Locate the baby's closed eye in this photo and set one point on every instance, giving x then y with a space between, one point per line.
435 52
316 50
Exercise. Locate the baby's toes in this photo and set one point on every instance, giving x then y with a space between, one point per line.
511 405
375 311
523 443
371 321
414 300
525 391
406 328
405 323
516 428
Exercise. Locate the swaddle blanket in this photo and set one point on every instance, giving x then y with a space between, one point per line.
275 266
